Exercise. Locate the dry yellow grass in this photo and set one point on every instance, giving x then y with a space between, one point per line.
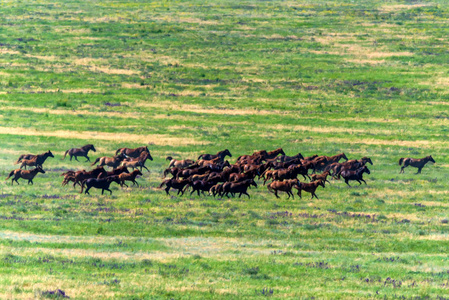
156 139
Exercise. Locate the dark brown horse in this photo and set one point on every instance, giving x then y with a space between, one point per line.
75 152
415 162
176 184
238 187
133 152
220 154
356 175
80 176
37 160
25 174
113 162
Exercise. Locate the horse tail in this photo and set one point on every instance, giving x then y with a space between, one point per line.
65 154
163 183
98 158
10 174
200 157
119 150
401 160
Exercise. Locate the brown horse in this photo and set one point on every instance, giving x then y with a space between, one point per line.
113 162
322 176
37 160
310 187
134 152
174 163
269 155
129 177
25 174
24 156
137 162
322 162
220 154
75 152
283 186
415 162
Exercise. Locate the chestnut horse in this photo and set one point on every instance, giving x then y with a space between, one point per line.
75 152
137 162
310 187
134 152
25 174
129 177
284 186
179 163
415 162
37 160
113 162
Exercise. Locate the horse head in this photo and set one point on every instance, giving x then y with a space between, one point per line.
49 154
226 152
40 170
169 158
344 156
91 147
430 158
366 170
281 151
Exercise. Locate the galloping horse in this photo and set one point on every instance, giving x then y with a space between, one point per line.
220 154
133 152
99 183
80 152
415 162
355 175
37 160
284 186
309 187
113 162
179 163
25 174
129 177
137 162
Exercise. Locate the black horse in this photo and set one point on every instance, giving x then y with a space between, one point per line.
74 152
355 175
99 183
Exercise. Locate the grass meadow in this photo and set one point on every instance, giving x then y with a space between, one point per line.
367 78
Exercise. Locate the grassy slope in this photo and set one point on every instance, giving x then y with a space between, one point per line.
366 78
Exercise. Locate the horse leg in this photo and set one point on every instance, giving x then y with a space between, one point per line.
313 194
109 191
347 182
419 170
30 181
87 157
123 183
402 169
135 182
87 190
246 193
363 181
276 193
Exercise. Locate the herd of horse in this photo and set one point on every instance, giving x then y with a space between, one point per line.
211 173
98 177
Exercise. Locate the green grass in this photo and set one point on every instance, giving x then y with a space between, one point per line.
367 78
